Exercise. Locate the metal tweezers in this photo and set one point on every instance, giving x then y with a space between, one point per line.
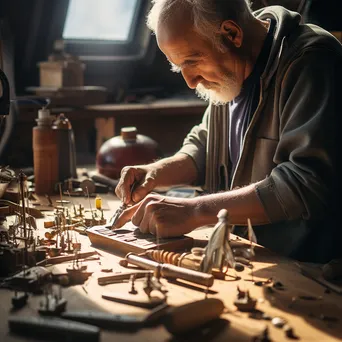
119 211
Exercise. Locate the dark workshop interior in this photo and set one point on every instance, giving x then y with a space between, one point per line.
97 87
130 73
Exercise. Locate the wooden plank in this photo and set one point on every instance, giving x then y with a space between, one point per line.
162 107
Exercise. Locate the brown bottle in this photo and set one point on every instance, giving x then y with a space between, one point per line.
45 154
127 149
66 148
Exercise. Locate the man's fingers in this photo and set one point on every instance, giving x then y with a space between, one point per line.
141 212
145 217
126 216
143 190
123 189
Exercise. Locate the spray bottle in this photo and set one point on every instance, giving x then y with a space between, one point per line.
45 153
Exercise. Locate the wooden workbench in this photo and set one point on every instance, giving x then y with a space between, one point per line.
302 315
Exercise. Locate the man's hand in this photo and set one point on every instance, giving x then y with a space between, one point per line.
163 216
175 170
143 176
170 216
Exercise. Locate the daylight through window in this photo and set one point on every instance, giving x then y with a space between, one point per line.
100 19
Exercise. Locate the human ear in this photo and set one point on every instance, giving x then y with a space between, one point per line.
231 32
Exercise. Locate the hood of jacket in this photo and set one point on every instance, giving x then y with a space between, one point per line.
291 37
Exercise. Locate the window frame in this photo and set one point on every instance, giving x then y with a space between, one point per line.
134 46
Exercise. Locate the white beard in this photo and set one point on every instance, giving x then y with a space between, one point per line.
222 95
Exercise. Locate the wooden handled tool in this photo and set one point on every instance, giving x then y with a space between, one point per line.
171 271
63 258
177 320
118 278
102 179
105 320
190 316
111 321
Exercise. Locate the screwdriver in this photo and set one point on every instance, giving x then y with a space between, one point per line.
120 210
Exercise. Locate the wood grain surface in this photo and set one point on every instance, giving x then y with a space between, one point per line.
313 314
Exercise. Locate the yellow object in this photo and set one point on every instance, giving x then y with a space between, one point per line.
98 202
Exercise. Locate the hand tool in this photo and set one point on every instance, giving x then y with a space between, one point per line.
117 322
120 210
171 271
119 278
177 320
133 299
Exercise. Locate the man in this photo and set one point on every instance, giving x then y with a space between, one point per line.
265 148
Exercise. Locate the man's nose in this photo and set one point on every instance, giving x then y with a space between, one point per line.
191 79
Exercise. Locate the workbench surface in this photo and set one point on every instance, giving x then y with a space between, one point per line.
305 316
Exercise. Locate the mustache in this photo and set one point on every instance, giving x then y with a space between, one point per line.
209 85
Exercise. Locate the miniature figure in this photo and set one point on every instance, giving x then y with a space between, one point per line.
243 301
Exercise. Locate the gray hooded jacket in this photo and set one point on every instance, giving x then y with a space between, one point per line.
289 146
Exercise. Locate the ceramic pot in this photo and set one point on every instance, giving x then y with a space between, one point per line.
129 148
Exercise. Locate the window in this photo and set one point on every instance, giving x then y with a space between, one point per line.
100 20
106 30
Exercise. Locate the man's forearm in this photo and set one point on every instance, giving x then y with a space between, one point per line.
175 170
241 204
